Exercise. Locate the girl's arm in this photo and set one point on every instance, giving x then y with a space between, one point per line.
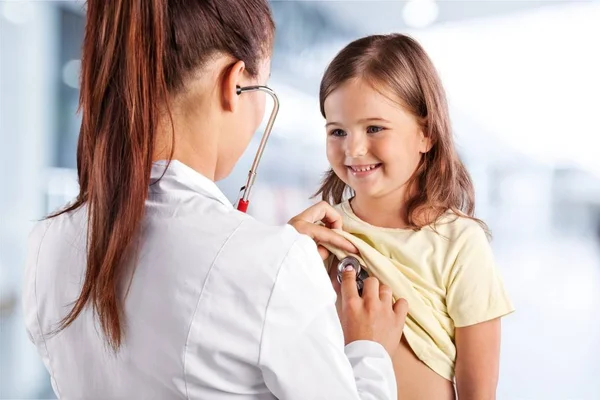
477 360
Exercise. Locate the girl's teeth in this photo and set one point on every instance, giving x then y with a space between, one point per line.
364 169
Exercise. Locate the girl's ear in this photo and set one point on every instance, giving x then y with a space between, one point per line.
426 143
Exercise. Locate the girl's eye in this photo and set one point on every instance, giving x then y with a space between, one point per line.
337 132
374 129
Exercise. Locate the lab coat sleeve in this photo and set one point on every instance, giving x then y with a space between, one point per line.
302 354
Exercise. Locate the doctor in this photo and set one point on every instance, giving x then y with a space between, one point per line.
150 285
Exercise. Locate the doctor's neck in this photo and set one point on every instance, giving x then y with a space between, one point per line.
189 136
191 130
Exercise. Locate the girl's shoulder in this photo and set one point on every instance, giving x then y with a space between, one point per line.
459 227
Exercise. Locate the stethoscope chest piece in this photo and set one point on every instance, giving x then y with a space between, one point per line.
361 274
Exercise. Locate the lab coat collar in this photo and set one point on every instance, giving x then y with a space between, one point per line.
178 172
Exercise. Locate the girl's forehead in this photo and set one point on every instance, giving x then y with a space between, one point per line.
359 97
371 90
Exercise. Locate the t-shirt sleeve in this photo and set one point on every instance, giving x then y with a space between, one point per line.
475 290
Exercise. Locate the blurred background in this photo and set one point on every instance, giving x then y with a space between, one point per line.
523 81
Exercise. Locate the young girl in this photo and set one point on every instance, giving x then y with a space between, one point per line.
410 215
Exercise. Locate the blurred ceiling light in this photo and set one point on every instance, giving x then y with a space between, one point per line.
70 73
17 12
420 13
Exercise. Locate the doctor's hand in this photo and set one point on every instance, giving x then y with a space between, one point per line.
373 316
317 222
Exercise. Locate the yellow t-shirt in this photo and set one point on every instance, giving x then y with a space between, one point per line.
448 278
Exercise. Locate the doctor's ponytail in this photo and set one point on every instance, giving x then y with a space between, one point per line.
136 55
122 85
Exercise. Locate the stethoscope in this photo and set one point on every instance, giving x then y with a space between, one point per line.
361 273
244 200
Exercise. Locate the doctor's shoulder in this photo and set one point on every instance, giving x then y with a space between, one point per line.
58 228
273 245
284 263
280 254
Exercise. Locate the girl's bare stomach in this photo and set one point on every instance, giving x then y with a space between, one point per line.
416 381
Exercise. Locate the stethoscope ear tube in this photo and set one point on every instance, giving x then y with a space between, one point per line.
244 201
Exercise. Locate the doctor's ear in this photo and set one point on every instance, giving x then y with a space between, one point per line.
232 79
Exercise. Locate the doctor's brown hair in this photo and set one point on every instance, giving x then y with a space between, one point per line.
137 54
396 64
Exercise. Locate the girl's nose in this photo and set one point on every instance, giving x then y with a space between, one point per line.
356 146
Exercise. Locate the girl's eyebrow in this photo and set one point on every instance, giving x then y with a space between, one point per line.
373 119
361 121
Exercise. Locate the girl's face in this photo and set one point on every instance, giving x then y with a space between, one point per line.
373 144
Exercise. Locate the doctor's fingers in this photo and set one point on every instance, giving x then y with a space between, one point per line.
349 290
322 235
371 290
385 294
401 309
323 252
321 212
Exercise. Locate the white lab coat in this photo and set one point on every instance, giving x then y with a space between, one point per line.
220 306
